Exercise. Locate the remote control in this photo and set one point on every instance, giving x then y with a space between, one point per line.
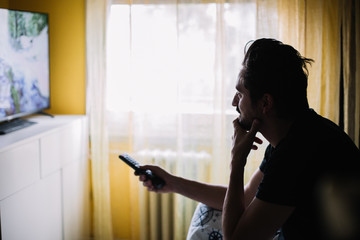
156 181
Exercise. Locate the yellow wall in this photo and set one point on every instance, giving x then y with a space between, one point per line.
67 51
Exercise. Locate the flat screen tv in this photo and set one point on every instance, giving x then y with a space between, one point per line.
24 63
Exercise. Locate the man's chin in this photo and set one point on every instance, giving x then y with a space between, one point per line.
244 124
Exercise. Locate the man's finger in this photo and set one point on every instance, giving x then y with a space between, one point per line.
258 140
236 123
237 126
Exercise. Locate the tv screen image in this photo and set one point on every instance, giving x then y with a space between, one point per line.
24 63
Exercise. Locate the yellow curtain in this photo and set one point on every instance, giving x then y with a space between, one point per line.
328 32
313 27
350 20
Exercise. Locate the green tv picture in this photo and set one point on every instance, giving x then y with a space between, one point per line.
24 62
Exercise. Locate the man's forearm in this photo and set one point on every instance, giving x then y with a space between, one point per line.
208 194
234 203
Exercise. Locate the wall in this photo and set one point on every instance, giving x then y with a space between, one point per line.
67 51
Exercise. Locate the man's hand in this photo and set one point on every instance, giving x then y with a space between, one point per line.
166 176
243 142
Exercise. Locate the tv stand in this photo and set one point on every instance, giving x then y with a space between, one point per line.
46 114
44 184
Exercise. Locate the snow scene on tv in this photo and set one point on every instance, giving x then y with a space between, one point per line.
24 62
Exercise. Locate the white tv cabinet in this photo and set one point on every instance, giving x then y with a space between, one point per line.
44 180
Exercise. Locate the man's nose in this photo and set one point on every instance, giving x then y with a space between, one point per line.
235 100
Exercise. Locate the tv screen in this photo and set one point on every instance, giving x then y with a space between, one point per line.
24 63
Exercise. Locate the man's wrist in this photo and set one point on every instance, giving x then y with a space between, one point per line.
177 184
238 162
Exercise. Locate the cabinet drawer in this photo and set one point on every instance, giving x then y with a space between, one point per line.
35 212
19 167
61 147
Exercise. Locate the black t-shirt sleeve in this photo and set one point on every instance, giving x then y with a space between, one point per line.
266 156
282 177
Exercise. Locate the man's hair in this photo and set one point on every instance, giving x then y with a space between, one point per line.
277 69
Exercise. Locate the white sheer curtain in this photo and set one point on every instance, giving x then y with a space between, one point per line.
96 22
172 69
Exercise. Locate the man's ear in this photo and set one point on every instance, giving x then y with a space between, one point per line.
267 102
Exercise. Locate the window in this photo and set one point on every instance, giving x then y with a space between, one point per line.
166 58
177 64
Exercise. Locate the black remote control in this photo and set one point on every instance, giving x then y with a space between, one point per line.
156 181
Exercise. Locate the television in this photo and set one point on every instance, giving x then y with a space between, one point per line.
24 64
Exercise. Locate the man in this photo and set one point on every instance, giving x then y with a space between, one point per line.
308 162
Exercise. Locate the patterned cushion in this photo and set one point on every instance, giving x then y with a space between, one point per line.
205 224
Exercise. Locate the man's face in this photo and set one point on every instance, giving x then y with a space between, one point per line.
244 106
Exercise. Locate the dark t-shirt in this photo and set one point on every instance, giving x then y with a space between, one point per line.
315 156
